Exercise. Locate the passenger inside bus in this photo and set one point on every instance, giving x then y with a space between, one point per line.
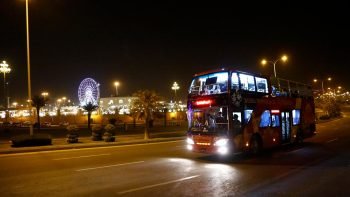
236 124
216 89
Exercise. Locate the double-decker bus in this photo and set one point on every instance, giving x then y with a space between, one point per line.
234 111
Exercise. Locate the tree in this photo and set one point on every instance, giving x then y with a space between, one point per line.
38 102
329 104
90 108
146 101
134 113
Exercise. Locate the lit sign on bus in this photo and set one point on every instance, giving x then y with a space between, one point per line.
275 111
203 102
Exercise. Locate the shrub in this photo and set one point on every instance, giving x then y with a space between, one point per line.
96 128
109 127
72 128
108 136
34 140
96 132
72 136
324 117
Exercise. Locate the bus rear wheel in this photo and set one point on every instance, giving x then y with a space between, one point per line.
255 145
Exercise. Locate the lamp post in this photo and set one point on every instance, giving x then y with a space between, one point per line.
328 79
284 58
4 68
28 65
116 84
175 87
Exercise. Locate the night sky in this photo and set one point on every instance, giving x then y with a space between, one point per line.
149 46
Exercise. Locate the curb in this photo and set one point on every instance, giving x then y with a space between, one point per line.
81 146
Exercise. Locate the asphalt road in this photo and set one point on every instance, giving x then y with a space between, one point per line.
321 167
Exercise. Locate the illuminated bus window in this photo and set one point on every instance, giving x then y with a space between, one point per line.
247 115
261 85
296 116
234 81
275 120
238 114
265 120
247 82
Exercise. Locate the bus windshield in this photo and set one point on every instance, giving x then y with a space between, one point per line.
214 119
214 83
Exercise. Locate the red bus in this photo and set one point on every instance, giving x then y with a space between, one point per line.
233 111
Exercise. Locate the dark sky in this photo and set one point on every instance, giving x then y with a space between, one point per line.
150 46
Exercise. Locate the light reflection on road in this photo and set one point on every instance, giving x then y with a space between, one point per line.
215 179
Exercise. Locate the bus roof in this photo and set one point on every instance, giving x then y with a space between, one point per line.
225 69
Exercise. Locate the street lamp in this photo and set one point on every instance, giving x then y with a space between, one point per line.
28 64
175 87
284 58
328 79
4 68
44 94
116 84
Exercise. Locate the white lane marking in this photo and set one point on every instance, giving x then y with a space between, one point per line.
81 157
332 140
83 148
100 167
159 184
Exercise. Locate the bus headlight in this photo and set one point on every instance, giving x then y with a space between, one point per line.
190 141
189 147
221 142
223 150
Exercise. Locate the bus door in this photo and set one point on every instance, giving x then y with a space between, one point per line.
286 127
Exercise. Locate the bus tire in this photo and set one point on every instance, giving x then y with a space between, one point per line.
256 145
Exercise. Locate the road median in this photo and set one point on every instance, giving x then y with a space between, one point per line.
84 144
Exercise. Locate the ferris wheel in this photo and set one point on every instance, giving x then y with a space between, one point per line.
89 92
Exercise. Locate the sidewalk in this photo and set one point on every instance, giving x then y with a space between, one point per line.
86 142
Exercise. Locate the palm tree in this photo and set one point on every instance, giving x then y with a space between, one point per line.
90 108
147 101
38 102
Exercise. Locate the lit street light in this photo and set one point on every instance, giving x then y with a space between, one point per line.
44 94
283 58
4 68
175 87
328 79
116 84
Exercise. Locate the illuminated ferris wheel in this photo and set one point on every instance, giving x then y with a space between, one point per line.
89 92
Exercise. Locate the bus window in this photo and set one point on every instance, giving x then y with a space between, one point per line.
247 115
214 83
296 116
261 85
275 120
265 120
239 115
247 82
234 81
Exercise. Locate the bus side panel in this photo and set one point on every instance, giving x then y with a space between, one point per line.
308 118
